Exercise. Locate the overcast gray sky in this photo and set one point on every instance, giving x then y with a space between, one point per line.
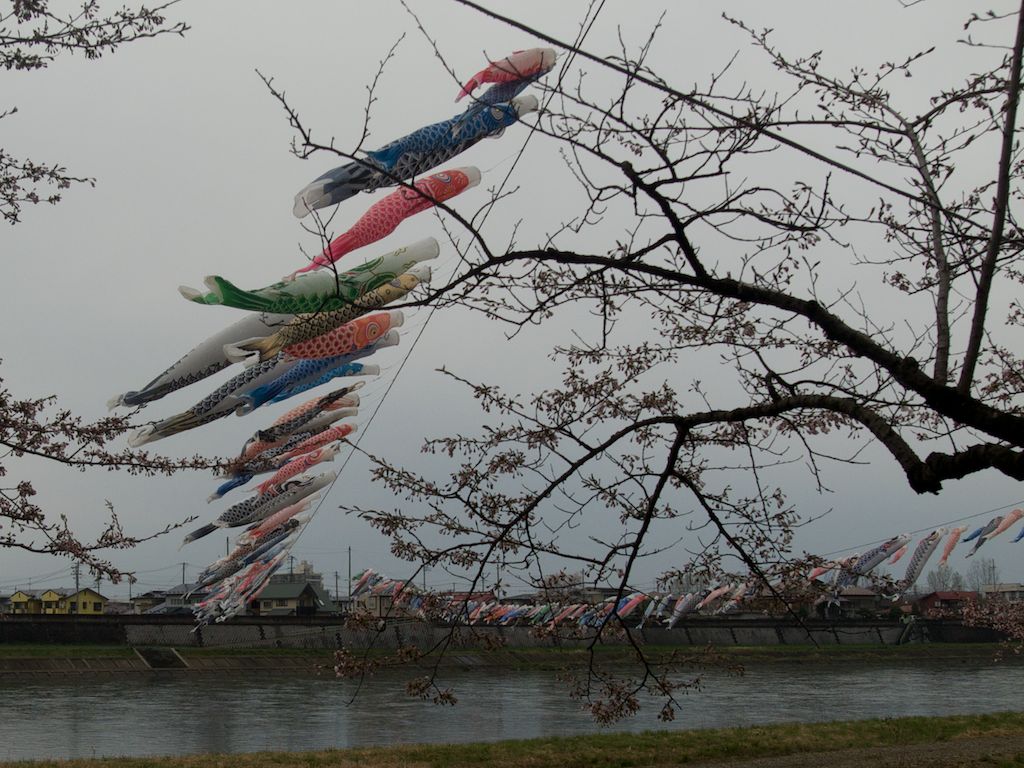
194 177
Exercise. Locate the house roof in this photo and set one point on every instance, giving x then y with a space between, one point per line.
952 595
33 593
61 591
858 592
292 590
182 589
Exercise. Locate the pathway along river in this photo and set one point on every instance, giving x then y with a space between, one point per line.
173 714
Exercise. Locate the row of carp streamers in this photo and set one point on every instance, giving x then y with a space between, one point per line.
660 608
667 609
845 572
317 324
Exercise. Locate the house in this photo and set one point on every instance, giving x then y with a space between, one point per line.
118 608
85 602
851 602
291 599
945 602
58 602
27 601
1010 593
53 601
178 600
147 600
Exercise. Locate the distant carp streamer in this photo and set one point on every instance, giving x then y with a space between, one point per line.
384 216
321 291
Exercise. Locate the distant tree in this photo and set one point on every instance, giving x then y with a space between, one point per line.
982 572
31 37
744 315
945 580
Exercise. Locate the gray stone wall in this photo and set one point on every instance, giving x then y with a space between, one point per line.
332 633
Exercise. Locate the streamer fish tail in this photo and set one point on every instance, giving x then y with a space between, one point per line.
252 351
199 533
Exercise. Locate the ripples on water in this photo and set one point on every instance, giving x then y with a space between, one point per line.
186 713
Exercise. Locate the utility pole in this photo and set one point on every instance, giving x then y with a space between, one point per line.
291 568
337 594
78 596
350 573
183 573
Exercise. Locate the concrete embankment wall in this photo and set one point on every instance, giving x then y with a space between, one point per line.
331 633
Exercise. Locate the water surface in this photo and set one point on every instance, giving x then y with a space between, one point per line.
168 714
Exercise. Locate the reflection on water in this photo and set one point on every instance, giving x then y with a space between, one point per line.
185 713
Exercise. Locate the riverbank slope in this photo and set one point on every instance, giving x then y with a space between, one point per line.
44 660
938 742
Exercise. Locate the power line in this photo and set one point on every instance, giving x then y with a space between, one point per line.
929 528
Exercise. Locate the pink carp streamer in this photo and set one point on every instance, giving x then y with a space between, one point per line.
520 65
715 594
384 216
348 338
1009 520
899 554
309 444
296 466
951 542
268 438
277 519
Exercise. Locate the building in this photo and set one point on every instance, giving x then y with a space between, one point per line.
27 601
58 602
85 602
177 600
148 600
945 602
291 599
853 602
1011 593
302 574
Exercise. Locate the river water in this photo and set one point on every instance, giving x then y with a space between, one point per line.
166 714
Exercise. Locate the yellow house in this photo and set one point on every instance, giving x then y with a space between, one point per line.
53 600
85 602
27 601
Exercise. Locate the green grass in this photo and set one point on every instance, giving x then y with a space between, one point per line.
47 651
232 651
621 750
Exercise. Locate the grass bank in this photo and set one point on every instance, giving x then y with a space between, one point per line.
55 651
989 740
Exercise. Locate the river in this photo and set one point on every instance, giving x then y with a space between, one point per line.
168 714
